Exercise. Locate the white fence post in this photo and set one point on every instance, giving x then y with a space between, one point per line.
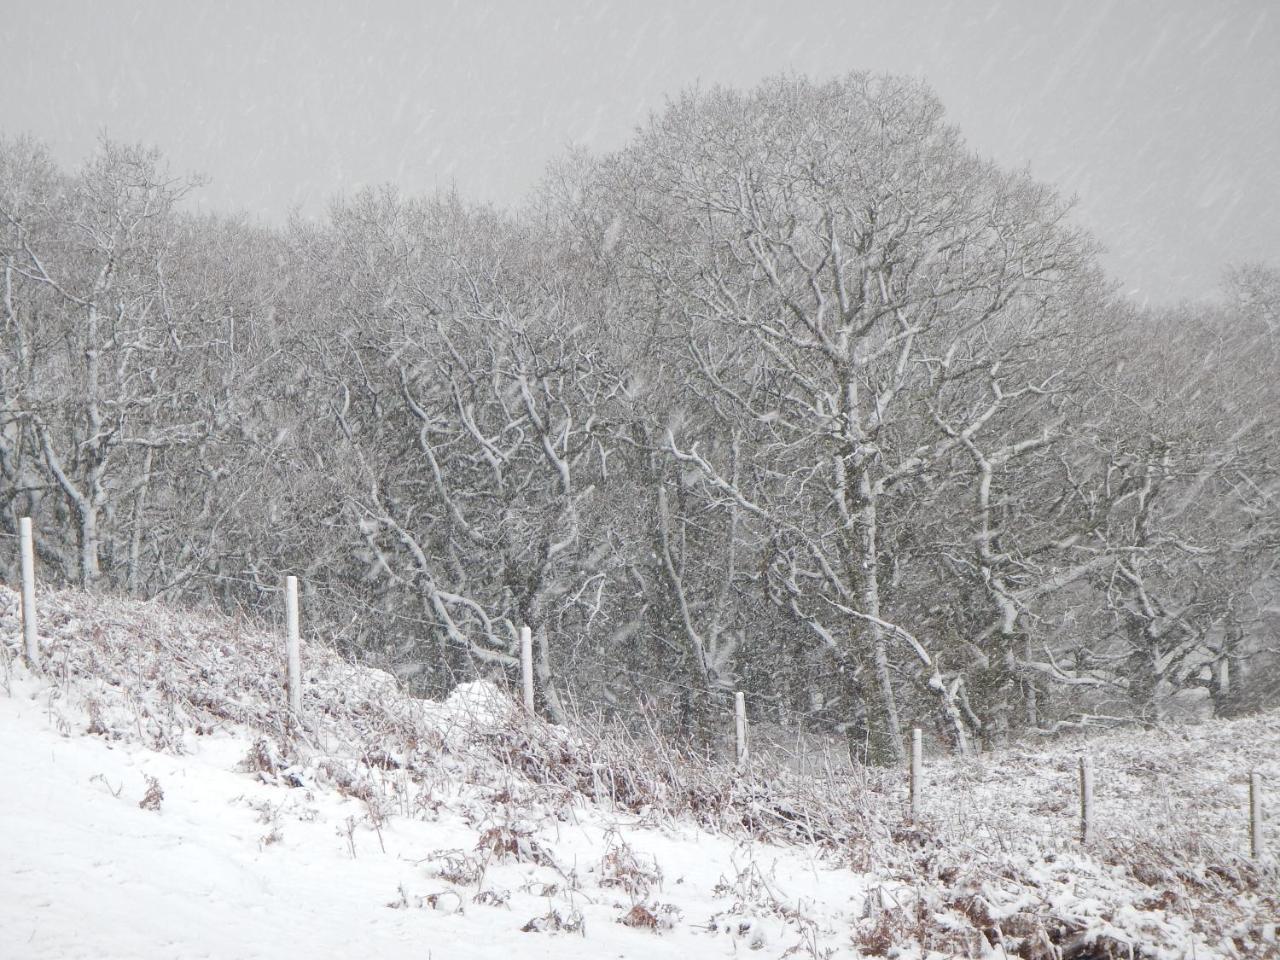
293 645
526 668
917 771
740 727
1086 800
1255 815
31 641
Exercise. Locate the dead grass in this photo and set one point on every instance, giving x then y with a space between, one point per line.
997 835
154 796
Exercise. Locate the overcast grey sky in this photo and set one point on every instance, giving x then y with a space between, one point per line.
1163 117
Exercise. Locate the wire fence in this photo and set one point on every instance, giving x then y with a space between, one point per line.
728 706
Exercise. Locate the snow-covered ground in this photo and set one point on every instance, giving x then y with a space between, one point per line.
157 804
229 867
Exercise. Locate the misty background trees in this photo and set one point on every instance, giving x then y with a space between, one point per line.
793 394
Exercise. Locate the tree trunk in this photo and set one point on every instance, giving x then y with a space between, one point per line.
89 569
1031 697
135 535
884 728
1143 681
546 676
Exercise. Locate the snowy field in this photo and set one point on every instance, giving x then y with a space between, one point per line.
157 805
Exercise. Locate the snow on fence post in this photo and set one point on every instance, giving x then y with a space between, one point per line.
1086 800
1255 815
917 771
30 640
740 727
292 645
526 668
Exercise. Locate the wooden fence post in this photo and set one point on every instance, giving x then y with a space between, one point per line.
526 668
30 640
1256 846
740 727
293 645
1086 800
917 771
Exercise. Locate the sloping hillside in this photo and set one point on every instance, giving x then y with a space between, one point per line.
159 803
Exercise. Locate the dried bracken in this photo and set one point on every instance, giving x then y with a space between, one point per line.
993 863
154 796
553 921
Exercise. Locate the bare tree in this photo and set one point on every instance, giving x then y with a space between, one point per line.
471 403
110 390
830 246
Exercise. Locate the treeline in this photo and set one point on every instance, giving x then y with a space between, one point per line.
793 394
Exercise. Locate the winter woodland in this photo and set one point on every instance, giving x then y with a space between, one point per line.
793 394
